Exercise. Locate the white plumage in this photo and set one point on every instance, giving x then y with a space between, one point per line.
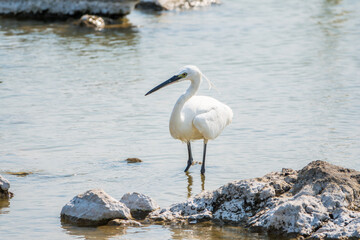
195 117
201 117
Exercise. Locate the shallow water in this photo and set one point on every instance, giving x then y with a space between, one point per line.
72 107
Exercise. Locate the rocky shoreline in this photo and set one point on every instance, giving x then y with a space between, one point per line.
114 9
63 9
320 201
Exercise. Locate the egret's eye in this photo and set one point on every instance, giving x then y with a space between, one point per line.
183 75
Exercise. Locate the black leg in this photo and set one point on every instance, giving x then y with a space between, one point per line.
190 160
204 154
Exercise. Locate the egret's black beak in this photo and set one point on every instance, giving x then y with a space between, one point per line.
167 82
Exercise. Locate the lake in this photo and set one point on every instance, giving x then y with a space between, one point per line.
72 107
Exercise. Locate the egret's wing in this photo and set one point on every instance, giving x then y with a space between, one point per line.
211 123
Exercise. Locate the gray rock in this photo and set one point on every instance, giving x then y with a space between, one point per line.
93 208
66 8
159 5
139 204
321 201
4 188
4 183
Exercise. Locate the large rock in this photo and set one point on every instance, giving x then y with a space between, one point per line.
93 208
4 188
159 5
65 8
321 201
139 204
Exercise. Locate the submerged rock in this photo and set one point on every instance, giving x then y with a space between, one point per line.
133 160
159 5
321 201
4 188
100 23
19 174
65 8
139 204
92 21
93 208
125 223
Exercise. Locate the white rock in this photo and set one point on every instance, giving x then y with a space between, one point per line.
320 201
294 215
138 201
4 183
94 207
174 4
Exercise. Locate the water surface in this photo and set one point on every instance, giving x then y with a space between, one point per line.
72 107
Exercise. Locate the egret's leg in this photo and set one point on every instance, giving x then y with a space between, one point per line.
190 157
204 154
190 160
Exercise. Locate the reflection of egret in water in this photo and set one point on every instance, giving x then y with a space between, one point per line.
202 182
191 181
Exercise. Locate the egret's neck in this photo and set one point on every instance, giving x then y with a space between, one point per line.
191 91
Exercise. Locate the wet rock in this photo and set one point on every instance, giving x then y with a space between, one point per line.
58 9
4 188
159 5
92 21
93 208
100 23
139 204
133 160
4 183
321 201
20 174
196 209
122 222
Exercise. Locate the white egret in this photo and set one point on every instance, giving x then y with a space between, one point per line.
195 117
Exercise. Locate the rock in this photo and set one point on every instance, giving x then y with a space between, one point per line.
321 201
93 208
139 204
4 188
133 160
100 23
58 9
92 21
4 183
122 222
159 5
20 174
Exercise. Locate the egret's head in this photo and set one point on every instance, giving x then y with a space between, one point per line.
188 72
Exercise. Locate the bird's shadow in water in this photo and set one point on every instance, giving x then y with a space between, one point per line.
190 182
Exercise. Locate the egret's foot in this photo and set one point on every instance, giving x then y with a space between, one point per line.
190 162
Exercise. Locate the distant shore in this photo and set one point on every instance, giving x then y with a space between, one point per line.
63 9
